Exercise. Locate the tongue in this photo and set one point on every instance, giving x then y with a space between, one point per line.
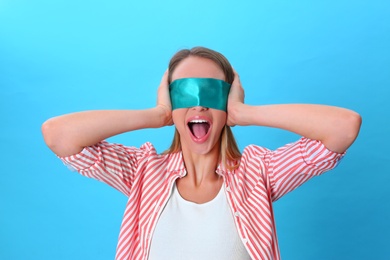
199 130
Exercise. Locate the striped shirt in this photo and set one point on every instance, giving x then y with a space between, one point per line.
147 178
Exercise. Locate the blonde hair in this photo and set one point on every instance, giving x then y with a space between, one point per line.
229 152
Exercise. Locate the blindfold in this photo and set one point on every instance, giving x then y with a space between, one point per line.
205 92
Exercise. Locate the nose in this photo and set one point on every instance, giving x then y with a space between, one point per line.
200 108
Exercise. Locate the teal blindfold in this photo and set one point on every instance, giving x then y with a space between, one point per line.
205 92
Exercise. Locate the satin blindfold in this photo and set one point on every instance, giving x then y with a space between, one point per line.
205 92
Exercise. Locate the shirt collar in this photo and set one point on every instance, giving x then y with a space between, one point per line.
176 166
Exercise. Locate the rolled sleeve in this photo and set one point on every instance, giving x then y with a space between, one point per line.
113 164
315 154
83 160
292 165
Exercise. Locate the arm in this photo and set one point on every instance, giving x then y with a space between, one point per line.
335 127
69 134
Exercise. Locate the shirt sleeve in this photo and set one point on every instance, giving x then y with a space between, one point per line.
113 164
290 166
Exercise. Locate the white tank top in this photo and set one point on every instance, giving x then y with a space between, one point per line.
187 230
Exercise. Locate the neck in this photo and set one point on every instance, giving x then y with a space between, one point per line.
201 167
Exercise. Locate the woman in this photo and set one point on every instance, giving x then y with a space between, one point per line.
202 199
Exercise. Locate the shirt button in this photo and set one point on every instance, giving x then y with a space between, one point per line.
245 240
228 189
237 214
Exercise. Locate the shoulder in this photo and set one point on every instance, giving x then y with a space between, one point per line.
301 147
308 151
105 151
254 153
252 150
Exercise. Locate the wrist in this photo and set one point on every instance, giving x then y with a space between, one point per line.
163 116
237 114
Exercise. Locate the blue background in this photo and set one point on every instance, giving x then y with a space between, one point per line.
58 57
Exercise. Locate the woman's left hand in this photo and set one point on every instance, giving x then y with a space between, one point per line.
235 101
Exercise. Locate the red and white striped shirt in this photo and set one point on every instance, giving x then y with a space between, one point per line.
146 178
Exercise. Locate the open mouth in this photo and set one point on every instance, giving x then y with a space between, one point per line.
199 127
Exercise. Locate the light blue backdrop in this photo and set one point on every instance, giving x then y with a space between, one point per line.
61 56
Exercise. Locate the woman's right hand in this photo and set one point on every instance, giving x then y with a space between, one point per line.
69 134
164 100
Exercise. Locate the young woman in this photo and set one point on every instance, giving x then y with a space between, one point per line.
202 198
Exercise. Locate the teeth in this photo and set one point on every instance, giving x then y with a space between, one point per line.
198 121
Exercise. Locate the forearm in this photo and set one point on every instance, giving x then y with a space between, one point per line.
69 134
336 127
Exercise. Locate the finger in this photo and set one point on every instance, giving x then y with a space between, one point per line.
237 91
236 84
236 80
164 86
164 79
163 97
